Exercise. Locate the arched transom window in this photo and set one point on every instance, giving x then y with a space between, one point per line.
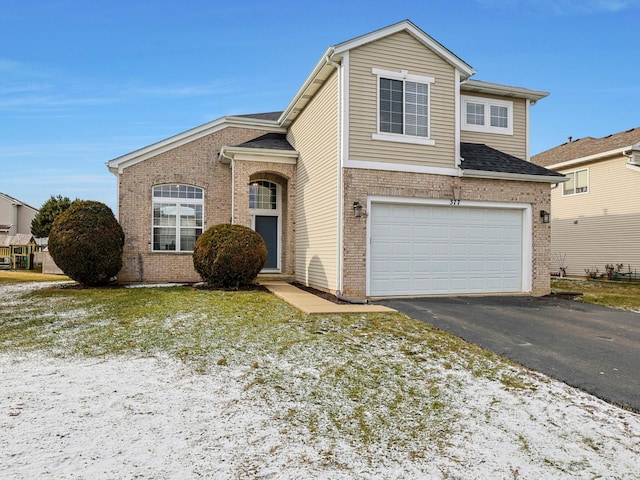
177 217
263 195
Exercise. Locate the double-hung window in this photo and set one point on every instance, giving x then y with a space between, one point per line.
177 217
487 115
403 107
578 182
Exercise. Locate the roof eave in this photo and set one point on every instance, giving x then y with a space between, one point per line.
594 157
479 86
408 26
228 153
307 90
117 165
513 176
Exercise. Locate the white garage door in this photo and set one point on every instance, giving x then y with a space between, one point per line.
428 249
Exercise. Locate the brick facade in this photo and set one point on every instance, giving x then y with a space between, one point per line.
195 163
359 184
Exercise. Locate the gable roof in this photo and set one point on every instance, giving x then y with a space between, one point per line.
18 239
15 201
330 59
480 160
257 121
589 148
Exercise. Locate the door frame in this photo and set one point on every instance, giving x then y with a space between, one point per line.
277 212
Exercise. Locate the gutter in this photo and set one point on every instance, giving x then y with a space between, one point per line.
305 86
588 158
514 176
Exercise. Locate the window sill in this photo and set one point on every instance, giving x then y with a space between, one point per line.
391 137
172 252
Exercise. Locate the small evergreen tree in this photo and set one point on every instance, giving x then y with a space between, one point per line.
86 242
229 256
41 223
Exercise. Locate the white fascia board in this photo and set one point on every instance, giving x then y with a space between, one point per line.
513 176
472 85
322 63
117 165
595 156
263 154
418 34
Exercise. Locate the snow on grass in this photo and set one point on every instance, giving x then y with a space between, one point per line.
275 394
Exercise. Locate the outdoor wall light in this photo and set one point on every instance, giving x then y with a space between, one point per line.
546 216
357 209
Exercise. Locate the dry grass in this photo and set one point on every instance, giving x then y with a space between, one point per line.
624 296
14 276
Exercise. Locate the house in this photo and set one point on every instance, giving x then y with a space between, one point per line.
15 216
390 172
595 215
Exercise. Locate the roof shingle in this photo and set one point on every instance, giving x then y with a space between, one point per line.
477 156
584 147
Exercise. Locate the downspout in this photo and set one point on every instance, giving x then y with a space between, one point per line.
233 183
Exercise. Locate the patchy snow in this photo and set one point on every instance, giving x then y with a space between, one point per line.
157 418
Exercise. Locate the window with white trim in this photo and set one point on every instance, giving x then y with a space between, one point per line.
578 182
177 217
487 115
403 107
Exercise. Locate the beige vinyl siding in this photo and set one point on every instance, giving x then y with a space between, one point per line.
395 53
315 135
601 226
512 144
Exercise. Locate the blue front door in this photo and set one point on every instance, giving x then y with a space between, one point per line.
267 226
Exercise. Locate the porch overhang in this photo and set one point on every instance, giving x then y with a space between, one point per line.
227 154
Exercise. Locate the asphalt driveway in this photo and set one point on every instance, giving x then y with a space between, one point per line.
596 349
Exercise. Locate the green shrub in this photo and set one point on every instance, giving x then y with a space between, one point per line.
86 242
229 256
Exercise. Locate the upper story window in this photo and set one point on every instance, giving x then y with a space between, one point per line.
487 115
177 217
403 107
578 182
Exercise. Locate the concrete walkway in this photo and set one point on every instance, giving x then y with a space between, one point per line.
310 303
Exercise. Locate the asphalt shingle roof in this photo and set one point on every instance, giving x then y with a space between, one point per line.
583 147
481 157
262 116
271 141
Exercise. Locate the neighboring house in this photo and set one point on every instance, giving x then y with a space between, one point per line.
390 172
15 216
595 215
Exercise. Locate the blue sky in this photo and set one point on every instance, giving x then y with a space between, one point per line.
84 82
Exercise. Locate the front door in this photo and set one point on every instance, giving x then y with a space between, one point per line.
264 209
267 226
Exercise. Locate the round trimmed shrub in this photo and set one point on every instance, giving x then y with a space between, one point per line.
229 256
86 243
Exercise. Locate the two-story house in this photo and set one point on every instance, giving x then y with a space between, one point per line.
390 172
15 216
595 215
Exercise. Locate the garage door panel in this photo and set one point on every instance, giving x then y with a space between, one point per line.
427 249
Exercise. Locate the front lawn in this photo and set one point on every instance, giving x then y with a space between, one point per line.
13 276
341 396
610 294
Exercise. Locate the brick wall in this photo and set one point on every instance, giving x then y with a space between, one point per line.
283 175
195 163
359 184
